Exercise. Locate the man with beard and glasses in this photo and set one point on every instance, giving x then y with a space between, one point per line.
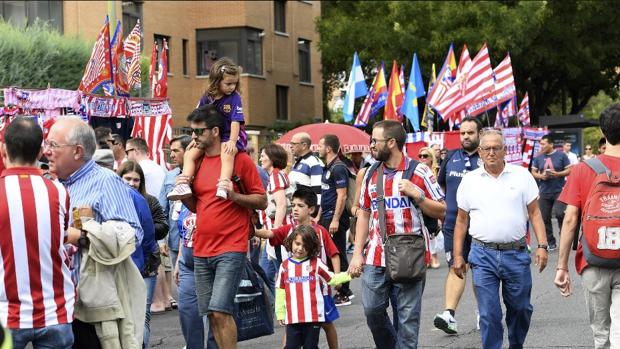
405 197
457 163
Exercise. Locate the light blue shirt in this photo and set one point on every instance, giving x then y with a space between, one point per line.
173 230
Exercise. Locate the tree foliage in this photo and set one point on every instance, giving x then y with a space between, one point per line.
562 52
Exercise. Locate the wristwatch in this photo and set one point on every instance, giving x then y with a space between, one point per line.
422 197
544 246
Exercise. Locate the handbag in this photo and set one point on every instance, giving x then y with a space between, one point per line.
253 310
405 254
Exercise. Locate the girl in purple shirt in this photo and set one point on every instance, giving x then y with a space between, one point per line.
222 93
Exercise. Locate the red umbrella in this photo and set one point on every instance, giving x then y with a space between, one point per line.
352 140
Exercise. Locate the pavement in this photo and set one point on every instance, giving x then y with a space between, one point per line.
557 322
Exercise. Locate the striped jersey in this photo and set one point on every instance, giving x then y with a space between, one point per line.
303 282
37 288
307 171
278 180
328 248
401 216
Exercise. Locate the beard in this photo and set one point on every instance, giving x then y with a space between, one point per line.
472 146
383 155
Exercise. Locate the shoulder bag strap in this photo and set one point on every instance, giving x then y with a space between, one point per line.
597 166
381 203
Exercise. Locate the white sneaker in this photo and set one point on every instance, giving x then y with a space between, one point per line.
221 193
477 320
180 192
445 322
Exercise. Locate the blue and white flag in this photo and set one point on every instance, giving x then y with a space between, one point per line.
356 88
415 90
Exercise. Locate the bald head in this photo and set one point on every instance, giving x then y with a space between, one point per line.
300 144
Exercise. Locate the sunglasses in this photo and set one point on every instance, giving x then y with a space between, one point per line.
199 131
423 156
588 148
129 151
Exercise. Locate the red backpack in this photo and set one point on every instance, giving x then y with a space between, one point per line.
601 218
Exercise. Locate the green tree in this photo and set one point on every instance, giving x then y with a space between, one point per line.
562 52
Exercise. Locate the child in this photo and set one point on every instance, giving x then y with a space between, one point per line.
223 92
300 289
304 204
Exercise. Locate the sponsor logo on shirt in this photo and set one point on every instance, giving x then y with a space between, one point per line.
394 202
298 279
457 173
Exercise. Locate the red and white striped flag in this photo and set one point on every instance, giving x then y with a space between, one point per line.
132 57
503 91
464 63
157 131
99 67
476 79
524 111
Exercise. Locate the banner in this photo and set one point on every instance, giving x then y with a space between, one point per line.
104 107
145 107
513 143
51 98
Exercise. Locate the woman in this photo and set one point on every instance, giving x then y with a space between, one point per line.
273 159
427 156
588 154
132 174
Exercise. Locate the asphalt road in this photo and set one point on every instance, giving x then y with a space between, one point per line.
557 322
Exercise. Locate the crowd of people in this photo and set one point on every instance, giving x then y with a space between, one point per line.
92 246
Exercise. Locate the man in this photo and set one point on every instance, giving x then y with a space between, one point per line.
221 236
138 150
69 148
496 201
550 168
333 214
572 157
422 190
458 163
307 169
600 284
38 294
602 145
117 144
103 136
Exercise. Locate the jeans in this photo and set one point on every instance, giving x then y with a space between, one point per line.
376 290
217 280
602 289
549 204
150 290
191 322
511 268
340 240
270 267
50 337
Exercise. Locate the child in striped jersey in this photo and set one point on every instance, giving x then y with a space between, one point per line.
304 204
300 289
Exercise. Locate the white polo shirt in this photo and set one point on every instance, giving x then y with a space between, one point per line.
497 206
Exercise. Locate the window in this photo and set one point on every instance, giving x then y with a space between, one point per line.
22 13
242 45
132 12
159 39
185 57
303 48
281 102
279 16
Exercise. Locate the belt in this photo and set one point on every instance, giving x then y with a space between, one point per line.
515 245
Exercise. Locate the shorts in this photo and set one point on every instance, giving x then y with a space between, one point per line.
166 263
217 280
331 312
448 242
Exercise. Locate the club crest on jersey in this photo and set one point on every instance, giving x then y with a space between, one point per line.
372 188
226 108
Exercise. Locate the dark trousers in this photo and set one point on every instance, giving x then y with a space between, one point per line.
85 336
340 240
549 205
304 335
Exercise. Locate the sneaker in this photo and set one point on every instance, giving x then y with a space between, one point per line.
179 192
477 320
350 249
445 322
341 300
221 193
553 247
349 294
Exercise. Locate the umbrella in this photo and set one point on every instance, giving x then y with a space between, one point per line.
352 140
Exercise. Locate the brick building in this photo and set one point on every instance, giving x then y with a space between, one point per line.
274 42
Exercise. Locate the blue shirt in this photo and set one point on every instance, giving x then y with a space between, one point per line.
555 161
452 170
173 230
335 176
106 194
148 245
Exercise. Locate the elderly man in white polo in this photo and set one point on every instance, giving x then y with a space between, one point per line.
496 200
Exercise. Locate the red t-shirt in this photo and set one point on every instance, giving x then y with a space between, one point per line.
221 225
576 191
328 248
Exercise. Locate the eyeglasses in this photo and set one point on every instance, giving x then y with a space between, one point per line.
373 141
129 151
496 149
423 156
53 145
112 141
199 131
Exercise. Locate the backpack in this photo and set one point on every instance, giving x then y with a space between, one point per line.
600 219
431 224
350 187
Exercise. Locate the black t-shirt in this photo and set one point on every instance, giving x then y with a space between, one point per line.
335 176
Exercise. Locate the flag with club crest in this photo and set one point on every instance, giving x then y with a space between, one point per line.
428 116
159 72
504 112
375 99
119 86
464 63
524 111
395 96
415 90
99 67
132 57
356 87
